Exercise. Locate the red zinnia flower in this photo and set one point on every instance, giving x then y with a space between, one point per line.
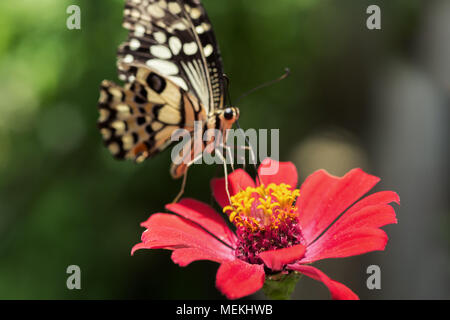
278 228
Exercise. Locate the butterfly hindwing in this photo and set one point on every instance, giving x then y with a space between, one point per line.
138 120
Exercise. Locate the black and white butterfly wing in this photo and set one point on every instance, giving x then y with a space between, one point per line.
137 120
174 38
173 72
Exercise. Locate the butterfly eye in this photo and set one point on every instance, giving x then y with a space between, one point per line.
228 114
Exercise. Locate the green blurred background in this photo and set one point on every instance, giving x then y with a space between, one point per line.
376 99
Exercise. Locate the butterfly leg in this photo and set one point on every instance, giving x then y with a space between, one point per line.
229 154
225 170
183 184
242 157
228 148
252 153
253 158
248 148
244 147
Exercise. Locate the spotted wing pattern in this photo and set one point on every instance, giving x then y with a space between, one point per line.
172 70
137 121
174 38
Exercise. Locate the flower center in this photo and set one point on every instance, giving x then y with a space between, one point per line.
265 219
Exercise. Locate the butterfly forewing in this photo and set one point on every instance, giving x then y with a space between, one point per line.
176 39
172 70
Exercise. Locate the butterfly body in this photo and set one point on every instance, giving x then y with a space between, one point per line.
173 76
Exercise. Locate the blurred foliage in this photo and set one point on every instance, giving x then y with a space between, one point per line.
64 200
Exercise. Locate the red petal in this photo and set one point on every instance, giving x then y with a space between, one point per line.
237 180
185 256
324 197
272 171
205 216
356 231
237 279
346 244
383 197
168 231
276 259
338 290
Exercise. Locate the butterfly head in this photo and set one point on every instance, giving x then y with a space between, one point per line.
229 115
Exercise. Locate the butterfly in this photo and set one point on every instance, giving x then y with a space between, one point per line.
173 74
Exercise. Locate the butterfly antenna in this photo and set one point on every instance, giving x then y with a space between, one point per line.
287 72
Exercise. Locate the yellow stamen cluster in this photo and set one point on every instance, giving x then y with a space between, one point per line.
262 207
